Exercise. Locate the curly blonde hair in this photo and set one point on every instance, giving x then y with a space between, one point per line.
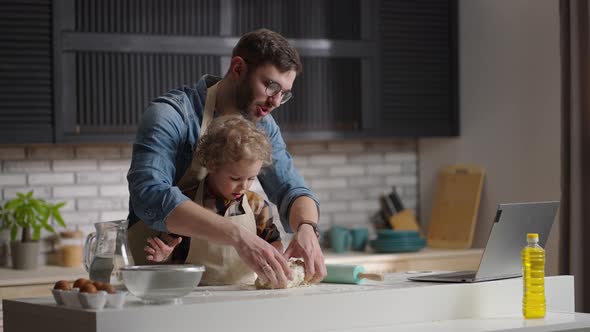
232 138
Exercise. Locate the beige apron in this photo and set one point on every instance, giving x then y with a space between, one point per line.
138 234
225 265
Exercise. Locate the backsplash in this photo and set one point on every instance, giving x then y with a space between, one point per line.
348 178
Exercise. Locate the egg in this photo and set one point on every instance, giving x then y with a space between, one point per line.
99 285
80 282
88 288
110 289
62 284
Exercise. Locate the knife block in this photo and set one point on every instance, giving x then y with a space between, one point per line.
405 220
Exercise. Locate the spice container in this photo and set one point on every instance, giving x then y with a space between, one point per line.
70 248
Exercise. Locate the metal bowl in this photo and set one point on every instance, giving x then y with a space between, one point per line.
161 283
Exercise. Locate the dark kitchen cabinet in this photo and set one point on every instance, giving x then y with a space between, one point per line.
26 88
371 68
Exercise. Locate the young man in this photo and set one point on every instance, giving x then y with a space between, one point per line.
262 71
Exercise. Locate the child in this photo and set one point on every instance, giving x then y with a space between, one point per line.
233 151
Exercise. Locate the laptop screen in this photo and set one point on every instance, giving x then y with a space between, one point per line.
501 257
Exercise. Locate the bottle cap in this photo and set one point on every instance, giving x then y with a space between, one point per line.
532 236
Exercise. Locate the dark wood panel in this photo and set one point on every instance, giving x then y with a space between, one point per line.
159 17
113 89
26 87
419 68
326 96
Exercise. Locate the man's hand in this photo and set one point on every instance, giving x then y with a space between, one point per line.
158 250
264 259
305 245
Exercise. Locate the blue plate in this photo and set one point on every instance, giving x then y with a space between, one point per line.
397 246
404 249
390 234
402 242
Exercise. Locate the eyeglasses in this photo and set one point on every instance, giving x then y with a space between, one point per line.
273 88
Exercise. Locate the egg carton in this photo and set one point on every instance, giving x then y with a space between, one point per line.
96 301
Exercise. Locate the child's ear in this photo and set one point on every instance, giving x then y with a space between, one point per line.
211 168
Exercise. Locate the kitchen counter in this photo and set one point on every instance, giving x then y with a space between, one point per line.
37 282
425 259
393 304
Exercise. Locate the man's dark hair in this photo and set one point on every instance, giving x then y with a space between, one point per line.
263 46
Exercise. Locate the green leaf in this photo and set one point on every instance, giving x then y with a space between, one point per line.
36 205
59 219
13 233
49 228
30 214
36 233
12 204
59 206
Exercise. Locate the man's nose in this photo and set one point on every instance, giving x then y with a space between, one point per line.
275 101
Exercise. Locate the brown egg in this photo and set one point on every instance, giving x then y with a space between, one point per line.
99 285
88 288
109 289
62 284
80 282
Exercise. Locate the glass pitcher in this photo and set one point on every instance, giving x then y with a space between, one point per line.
106 251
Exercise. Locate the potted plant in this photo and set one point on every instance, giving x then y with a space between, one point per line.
29 215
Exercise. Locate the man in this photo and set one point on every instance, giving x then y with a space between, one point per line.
261 74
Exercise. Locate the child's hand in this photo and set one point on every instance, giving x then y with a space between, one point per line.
157 250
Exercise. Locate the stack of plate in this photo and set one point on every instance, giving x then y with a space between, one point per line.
389 240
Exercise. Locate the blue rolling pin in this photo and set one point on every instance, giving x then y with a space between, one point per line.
349 274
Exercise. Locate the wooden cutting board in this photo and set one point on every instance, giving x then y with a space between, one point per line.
456 203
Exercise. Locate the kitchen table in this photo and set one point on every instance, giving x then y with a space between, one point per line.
394 304
425 259
35 282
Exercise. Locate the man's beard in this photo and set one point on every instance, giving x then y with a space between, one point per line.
245 98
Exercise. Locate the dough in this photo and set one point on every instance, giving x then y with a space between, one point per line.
298 267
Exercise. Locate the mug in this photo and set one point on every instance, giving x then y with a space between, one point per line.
340 239
359 238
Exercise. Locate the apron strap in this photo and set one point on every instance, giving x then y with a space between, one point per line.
140 232
195 173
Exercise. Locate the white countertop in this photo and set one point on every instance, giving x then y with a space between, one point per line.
42 275
370 256
553 321
375 306
50 274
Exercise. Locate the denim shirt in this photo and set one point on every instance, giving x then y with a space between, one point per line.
163 150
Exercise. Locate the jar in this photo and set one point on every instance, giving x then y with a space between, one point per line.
70 249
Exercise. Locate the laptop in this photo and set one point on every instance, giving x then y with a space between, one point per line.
501 257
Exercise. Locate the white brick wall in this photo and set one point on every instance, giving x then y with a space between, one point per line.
51 178
347 177
101 176
13 179
114 190
9 192
21 166
75 191
74 165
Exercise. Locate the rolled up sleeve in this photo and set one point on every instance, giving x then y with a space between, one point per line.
151 175
281 181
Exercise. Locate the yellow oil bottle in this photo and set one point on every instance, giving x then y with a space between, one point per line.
533 275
